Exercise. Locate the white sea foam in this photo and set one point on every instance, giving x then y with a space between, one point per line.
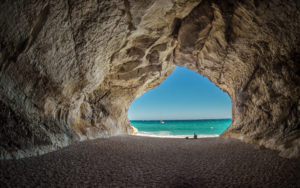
173 136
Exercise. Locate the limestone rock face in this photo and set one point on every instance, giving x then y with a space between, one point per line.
70 69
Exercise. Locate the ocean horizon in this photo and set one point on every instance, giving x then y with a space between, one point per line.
181 128
180 119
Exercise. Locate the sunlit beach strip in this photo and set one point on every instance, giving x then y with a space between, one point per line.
173 136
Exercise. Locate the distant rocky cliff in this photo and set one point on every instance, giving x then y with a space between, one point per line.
70 69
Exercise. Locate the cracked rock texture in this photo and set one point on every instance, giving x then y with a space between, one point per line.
70 69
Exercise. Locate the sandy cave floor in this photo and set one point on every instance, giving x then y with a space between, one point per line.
133 161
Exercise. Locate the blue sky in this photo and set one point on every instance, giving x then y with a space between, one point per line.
184 94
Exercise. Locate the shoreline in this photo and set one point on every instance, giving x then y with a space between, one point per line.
175 136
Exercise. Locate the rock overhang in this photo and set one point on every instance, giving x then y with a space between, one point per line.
70 70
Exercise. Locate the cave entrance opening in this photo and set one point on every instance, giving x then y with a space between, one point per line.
183 104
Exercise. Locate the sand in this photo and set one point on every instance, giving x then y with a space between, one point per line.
133 161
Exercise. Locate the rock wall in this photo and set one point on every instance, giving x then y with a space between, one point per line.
70 69
251 51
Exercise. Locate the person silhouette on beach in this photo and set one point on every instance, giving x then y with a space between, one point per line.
195 136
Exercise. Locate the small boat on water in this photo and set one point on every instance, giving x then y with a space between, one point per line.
162 121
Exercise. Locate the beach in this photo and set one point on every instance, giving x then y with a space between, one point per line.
136 161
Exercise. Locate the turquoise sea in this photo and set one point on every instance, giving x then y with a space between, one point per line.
181 128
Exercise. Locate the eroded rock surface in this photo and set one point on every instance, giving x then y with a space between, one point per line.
70 69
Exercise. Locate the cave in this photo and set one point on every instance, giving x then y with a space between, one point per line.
70 69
